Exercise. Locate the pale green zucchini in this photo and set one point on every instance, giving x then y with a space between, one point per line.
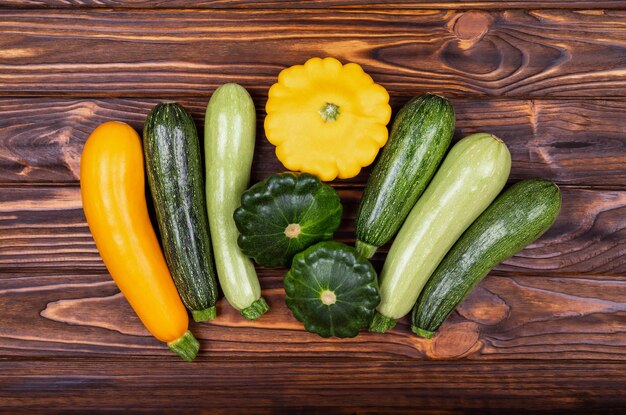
517 217
470 178
229 136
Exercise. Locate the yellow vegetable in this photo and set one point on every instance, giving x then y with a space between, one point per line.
112 187
326 118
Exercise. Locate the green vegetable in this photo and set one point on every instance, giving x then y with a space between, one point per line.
516 218
332 289
469 179
284 214
419 139
172 153
229 135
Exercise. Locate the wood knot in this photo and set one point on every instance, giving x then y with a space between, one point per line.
484 307
471 26
455 341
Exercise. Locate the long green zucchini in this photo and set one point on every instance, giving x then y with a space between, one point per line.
469 179
516 218
174 167
229 135
419 139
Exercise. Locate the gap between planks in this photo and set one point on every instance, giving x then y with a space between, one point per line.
79 95
277 5
339 186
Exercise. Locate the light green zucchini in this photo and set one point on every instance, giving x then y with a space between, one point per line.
470 178
517 217
229 137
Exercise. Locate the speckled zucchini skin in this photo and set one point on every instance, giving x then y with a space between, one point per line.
174 169
420 136
515 219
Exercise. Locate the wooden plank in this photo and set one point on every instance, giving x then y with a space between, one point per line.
505 317
342 386
318 4
44 228
568 141
540 53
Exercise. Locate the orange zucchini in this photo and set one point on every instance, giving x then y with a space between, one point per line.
112 187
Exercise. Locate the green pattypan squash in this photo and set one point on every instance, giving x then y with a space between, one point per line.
283 215
332 289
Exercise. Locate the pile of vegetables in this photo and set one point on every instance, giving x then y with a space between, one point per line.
445 207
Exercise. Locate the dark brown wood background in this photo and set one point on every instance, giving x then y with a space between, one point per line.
545 331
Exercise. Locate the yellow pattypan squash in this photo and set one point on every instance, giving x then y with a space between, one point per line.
326 118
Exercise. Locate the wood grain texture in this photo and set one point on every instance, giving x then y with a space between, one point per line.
540 53
317 4
579 142
44 228
505 317
315 387
544 332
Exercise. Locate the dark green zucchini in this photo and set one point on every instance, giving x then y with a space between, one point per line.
420 136
515 219
173 165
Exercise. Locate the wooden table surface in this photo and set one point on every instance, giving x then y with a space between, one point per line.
545 331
